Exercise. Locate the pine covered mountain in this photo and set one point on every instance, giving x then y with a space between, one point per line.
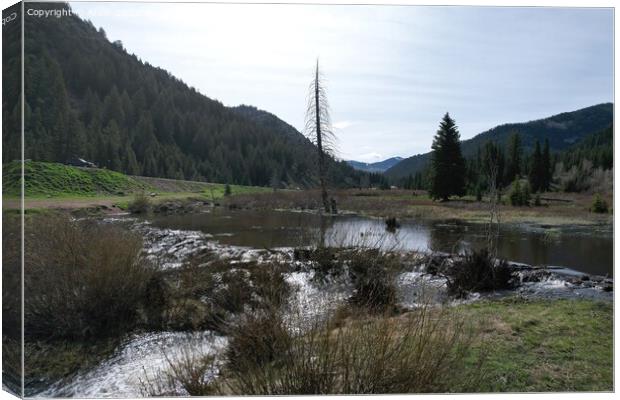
87 97
379 166
562 131
597 147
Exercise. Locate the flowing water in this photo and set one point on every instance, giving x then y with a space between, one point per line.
243 236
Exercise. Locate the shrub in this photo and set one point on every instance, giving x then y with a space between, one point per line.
520 195
478 271
227 191
191 372
255 340
537 202
325 262
372 274
599 205
419 352
140 204
82 279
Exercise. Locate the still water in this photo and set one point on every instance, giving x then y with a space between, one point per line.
585 249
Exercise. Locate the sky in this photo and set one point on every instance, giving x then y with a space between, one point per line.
392 72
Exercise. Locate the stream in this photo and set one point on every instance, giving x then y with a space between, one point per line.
259 236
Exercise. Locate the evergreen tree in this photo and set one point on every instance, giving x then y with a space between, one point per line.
546 167
447 162
513 167
536 170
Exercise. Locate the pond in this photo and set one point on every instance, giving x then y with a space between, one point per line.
584 249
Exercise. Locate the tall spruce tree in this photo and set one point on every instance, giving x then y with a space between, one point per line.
513 169
537 170
447 162
546 167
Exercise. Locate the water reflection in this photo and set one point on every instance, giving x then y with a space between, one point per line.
583 250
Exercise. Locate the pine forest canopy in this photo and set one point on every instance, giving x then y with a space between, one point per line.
88 97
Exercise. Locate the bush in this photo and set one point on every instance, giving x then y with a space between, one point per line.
324 260
227 191
140 204
372 274
256 340
417 353
477 271
599 205
82 279
520 195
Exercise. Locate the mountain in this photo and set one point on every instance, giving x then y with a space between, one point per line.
380 166
562 131
87 97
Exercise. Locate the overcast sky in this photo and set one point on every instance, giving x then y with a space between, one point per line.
392 72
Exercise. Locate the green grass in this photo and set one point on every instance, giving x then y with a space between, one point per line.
43 179
553 345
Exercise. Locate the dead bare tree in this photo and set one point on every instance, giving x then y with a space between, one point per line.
494 221
318 129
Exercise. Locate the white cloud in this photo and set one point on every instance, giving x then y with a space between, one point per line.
370 157
343 124
392 72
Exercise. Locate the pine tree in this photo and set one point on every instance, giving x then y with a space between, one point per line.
546 167
447 162
536 170
513 167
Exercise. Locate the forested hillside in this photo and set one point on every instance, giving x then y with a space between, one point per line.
598 148
88 97
562 131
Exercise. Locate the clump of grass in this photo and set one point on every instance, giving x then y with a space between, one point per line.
82 279
478 271
190 372
140 204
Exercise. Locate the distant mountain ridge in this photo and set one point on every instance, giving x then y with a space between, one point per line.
379 166
562 130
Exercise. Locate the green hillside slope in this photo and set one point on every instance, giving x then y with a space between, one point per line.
53 179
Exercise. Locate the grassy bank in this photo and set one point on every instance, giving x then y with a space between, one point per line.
53 185
556 209
539 346
43 179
